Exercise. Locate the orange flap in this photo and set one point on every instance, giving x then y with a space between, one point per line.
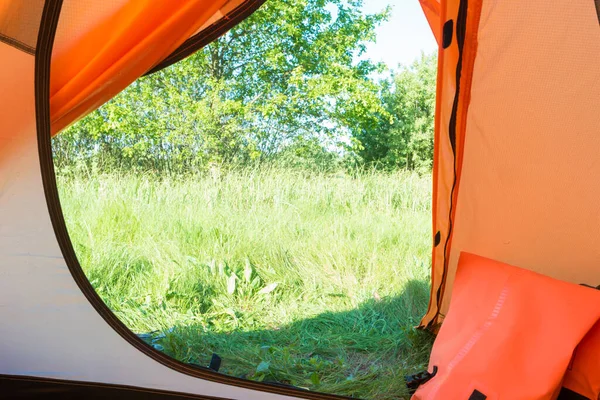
583 375
432 10
509 333
119 49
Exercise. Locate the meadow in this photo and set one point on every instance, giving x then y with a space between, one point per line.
310 279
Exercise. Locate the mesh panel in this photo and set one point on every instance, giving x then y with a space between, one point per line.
19 23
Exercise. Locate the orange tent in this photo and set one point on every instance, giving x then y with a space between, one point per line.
516 168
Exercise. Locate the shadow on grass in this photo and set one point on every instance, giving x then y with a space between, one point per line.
363 353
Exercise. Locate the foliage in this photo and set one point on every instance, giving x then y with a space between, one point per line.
287 77
402 137
283 86
309 279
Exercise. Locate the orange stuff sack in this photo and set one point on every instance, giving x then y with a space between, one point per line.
583 375
509 334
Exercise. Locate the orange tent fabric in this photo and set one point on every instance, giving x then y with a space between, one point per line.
432 10
116 51
583 375
101 48
452 100
509 334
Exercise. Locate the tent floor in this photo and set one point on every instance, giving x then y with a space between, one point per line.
24 387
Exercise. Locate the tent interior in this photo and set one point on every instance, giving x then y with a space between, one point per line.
516 216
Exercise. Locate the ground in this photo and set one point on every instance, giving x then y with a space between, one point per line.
313 280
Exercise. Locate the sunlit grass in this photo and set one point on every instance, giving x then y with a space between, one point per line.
313 280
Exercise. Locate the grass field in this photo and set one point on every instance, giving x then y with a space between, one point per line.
312 280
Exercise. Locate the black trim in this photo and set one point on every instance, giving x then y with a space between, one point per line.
215 363
590 286
17 44
414 381
45 42
26 387
437 239
448 33
568 394
461 29
597 3
477 395
209 34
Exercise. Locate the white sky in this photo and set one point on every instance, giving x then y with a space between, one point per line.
404 36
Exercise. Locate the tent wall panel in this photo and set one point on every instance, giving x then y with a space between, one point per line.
527 146
529 192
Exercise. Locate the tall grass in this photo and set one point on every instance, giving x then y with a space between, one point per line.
314 280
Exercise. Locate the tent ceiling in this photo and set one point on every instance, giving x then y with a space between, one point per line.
19 23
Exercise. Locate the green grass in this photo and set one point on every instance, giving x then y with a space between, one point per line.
312 280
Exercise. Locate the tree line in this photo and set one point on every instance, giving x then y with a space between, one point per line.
288 86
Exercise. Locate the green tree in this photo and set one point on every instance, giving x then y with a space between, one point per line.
285 78
402 135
